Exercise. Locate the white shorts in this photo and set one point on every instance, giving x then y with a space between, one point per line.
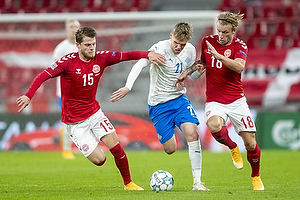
238 112
87 134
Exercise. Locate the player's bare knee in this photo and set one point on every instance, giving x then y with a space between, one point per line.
214 126
170 150
250 146
191 137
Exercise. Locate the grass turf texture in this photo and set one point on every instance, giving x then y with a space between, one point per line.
39 175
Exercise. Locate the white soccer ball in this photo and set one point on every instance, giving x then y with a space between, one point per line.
161 180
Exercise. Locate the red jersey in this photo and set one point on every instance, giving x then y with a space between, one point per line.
79 81
223 85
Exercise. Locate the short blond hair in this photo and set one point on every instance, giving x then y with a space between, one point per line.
226 18
182 30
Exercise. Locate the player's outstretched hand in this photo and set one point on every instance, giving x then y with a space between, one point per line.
119 94
22 102
201 68
212 50
179 83
156 58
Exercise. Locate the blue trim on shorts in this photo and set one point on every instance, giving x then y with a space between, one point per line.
168 115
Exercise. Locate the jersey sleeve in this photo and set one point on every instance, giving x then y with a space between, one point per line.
135 72
203 47
158 48
241 50
36 83
134 55
193 55
137 68
116 57
52 71
56 69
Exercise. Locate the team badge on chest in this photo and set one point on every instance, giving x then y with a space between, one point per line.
227 53
96 69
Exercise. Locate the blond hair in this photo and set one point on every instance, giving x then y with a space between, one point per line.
226 18
182 30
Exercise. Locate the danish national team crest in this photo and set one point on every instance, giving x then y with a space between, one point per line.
85 147
227 53
96 69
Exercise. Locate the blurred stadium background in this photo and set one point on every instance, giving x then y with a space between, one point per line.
30 30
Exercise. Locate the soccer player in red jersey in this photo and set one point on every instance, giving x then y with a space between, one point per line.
224 57
86 123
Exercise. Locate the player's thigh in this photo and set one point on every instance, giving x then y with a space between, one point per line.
104 130
83 137
97 155
186 119
190 131
241 117
215 116
163 121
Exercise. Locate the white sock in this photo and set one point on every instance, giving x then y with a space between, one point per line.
195 159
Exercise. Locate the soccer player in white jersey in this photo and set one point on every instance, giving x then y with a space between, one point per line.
80 73
168 106
66 46
225 57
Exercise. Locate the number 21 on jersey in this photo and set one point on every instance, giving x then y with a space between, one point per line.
179 68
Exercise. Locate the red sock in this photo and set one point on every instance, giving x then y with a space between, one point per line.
223 137
253 158
121 162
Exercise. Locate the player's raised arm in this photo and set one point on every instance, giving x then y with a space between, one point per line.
24 100
194 72
132 76
237 64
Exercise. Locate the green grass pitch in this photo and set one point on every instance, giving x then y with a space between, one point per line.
40 175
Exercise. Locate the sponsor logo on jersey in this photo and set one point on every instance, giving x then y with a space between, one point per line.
53 66
78 71
227 53
113 53
96 69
